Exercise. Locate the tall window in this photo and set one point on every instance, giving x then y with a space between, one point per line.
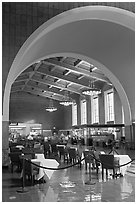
109 105
95 109
83 112
74 114
123 119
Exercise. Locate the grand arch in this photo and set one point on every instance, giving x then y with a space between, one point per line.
65 35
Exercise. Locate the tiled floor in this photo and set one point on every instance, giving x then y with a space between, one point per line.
68 185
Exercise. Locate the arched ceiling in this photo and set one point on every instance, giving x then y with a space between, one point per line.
52 77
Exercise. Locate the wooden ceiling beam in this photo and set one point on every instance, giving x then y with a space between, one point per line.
32 73
77 70
43 94
62 77
41 88
59 86
20 78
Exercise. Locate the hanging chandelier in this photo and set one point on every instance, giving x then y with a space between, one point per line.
92 90
51 107
67 101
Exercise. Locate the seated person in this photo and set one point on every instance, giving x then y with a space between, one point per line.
30 137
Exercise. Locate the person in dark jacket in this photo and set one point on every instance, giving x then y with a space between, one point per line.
90 141
46 147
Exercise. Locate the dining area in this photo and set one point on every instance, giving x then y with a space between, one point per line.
37 167
69 170
49 169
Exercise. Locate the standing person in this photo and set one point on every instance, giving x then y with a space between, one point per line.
46 147
90 141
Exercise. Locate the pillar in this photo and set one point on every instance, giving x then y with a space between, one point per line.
129 136
5 143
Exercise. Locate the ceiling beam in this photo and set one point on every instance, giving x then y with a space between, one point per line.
27 73
76 69
32 73
35 92
41 88
16 90
80 77
63 77
37 79
77 62
20 78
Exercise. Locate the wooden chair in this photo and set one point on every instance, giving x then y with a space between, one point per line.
15 149
15 160
73 156
29 151
89 159
54 149
96 160
30 171
63 152
107 162
38 151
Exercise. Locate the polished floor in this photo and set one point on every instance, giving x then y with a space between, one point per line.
68 185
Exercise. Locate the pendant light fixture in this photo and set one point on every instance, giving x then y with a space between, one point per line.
67 101
92 90
51 107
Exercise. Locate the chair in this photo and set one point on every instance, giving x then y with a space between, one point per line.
62 152
54 149
30 171
13 144
29 151
15 160
15 149
89 159
107 162
97 160
73 156
38 151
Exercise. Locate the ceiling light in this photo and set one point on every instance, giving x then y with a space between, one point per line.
66 100
95 68
92 90
66 103
51 107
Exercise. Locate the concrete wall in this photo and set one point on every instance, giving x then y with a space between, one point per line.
26 107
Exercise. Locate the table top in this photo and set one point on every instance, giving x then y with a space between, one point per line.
123 159
51 163
20 146
123 156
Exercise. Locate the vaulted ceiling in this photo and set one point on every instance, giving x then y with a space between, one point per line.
52 77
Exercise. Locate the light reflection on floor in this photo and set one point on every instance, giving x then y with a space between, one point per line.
68 185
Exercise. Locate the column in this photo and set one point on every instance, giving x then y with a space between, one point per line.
5 143
128 135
